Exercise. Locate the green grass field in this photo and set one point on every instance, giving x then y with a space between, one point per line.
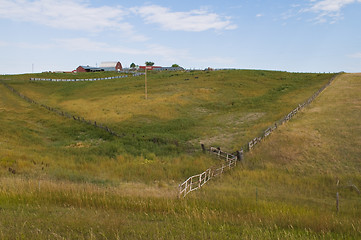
75 181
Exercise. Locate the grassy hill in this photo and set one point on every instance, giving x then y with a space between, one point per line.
72 180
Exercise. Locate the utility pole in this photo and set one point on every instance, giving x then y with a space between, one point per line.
145 80
145 84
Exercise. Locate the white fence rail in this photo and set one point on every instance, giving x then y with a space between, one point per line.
84 79
197 181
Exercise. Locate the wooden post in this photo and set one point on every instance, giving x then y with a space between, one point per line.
240 155
203 148
145 84
200 180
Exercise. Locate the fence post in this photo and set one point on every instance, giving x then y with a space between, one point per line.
240 155
200 180
203 148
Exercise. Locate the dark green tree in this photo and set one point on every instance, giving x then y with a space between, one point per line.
175 65
132 65
149 63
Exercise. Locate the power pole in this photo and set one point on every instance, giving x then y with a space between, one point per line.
145 84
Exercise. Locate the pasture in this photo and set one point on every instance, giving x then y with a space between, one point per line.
72 180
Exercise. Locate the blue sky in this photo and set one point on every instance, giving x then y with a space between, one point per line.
297 36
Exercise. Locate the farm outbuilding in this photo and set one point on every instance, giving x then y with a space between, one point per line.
111 66
88 69
104 66
159 68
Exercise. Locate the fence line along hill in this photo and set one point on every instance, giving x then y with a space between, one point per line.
197 181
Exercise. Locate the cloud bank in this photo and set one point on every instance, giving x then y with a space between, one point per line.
79 15
328 9
192 21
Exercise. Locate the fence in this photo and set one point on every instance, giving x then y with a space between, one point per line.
197 181
289 116
65 114
82 80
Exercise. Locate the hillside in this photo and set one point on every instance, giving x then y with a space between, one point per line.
186 107
287 187
72 180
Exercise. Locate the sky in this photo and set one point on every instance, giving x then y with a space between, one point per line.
293 35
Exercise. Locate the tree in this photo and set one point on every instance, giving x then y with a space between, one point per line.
132 65
175 65
149 63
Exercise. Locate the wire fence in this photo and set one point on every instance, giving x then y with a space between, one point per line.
65 114
197 181
289 116
85 79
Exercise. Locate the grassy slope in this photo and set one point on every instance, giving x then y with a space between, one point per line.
222 108
295 173
286 206
37 143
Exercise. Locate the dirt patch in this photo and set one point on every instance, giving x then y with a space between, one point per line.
232 128
79 145
239 120
86 144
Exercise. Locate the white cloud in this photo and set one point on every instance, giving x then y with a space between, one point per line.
87 45
328 9
84 44
81 16
3 44
259 15
63 14
355 55
330 5
68 14
193 21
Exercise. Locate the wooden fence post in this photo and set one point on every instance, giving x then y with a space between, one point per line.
203 148
240 155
